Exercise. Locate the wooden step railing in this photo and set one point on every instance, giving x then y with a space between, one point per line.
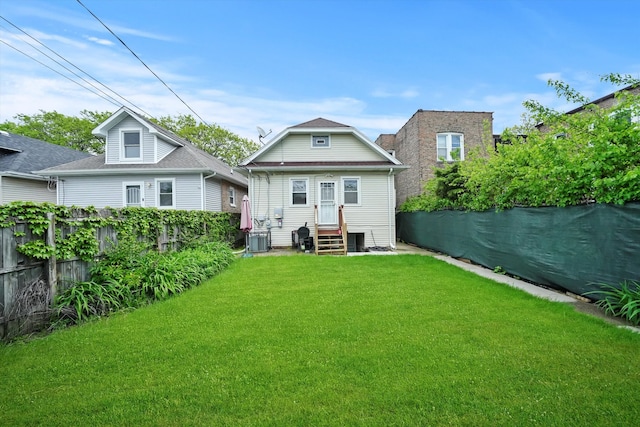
331 241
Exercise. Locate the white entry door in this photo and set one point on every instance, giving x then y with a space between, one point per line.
133 194
328 208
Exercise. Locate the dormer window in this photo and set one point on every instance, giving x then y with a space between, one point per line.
320 141
131 149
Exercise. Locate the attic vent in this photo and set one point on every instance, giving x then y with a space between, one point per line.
321 141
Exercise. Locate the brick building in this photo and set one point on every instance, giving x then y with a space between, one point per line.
432 139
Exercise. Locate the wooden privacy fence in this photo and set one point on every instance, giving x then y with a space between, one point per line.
29 285
38 280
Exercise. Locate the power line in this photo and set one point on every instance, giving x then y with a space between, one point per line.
116 102
58 72
142 62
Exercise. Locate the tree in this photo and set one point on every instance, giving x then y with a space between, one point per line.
57 128
552 159
213 139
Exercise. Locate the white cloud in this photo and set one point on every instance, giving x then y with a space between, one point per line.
407 93
545 77
103 42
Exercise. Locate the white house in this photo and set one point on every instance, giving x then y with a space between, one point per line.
328 176
146 165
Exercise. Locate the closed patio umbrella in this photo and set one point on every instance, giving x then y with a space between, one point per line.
246 223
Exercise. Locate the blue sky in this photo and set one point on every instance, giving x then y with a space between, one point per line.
366 63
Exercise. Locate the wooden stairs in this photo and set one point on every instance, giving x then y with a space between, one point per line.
330 242
333 240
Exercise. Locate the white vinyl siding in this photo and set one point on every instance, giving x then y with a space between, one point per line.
16 189
213 195
371 216
164 148
106 191
298 148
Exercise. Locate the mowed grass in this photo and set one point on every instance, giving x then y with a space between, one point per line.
312 341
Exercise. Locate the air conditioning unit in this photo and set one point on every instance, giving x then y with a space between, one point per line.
258 242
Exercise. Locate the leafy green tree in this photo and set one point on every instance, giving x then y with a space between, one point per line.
213 139
551 159
57 128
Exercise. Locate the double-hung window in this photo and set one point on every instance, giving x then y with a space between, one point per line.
166 193
232 196
131 145
299 191
351 191
450 147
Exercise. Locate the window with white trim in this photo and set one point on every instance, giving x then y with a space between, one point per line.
450 146
232 196
351 190
299 192
166 193
320 141
131 144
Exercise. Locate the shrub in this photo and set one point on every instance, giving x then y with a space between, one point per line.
86 299
622 301
130 276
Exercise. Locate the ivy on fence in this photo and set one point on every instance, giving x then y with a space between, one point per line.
76 228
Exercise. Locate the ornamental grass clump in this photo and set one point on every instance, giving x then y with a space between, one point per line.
621 301
131 276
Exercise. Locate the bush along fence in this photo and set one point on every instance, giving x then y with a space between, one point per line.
576 248
46 248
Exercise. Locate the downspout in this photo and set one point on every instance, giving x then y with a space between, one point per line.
391 211
251 194
204 192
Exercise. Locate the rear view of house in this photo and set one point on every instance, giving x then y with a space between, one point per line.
328 176
146 165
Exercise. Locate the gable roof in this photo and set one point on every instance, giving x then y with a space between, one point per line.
320 123
185 158
21 155
327 126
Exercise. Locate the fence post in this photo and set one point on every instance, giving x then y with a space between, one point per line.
52 269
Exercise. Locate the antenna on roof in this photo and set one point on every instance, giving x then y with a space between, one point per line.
262 133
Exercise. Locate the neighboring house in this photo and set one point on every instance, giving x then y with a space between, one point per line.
20 156
604 102
609 100
146 165
330 177
432 139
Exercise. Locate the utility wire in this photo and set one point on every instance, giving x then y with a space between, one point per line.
142 62
117 104
73 65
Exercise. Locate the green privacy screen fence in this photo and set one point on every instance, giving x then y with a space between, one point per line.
571 248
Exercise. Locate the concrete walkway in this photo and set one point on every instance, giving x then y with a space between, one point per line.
538 291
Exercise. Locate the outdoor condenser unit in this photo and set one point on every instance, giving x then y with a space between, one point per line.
258 242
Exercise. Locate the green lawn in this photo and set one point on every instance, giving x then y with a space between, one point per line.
308 341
